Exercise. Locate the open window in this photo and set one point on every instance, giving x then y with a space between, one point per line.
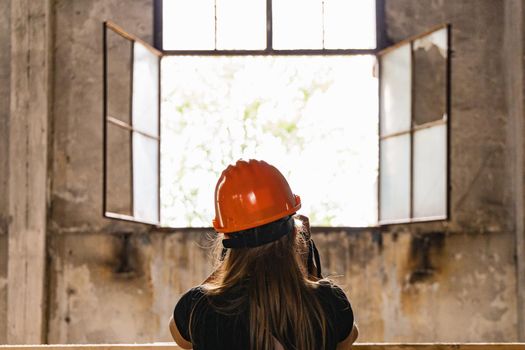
401 95
131 127
414 129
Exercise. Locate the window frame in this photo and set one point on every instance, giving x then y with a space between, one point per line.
413 128
269 50
108 119
382 46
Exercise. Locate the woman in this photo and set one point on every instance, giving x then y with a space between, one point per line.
266 292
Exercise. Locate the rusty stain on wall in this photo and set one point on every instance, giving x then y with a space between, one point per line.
422 249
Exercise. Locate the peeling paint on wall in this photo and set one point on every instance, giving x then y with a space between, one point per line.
468 292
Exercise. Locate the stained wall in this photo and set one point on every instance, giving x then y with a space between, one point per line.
5 42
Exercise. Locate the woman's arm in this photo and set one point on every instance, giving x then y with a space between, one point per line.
347 343
183 343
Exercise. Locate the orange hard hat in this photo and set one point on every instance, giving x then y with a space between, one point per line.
250 194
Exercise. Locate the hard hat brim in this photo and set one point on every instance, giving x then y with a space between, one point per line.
259 222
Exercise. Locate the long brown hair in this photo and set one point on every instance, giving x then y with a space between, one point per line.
278 294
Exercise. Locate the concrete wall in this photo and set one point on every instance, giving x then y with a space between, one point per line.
515 79
30 96
482 282
120 288
95 294
4 113
404 287
114 282
76 191
480 174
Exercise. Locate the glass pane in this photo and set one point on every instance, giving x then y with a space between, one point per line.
241 24
145 90
145 178
396 90
395 178
188 24
430 172
118 195
349 24
430 77
297 24
118 76
304 114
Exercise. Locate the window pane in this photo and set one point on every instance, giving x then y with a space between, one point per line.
396 90
430 171
241 24
430 77
118 76
118 186
349 24
145 178
188 24
314 117
145 90
395 178
297 24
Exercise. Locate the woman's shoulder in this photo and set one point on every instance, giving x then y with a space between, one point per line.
330 293
188 300
326 286
337 307
194 293
184 308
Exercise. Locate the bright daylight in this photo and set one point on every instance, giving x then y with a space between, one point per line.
314 117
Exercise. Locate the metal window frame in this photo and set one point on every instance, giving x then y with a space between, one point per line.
413 128
109 119
158 51
381 48
381 39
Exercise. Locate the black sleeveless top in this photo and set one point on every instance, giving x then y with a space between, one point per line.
213 330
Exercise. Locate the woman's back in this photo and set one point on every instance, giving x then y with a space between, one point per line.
211 328
264 291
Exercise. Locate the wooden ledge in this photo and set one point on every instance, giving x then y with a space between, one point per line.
360 346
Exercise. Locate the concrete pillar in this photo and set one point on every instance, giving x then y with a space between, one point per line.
27 170
5 63
514 74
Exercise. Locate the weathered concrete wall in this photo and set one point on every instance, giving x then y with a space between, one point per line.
121 288
426 288
30 41
482 207
403 287
5 56
514 44
481 184
76 193
5 51
3 289
91 296
481 172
